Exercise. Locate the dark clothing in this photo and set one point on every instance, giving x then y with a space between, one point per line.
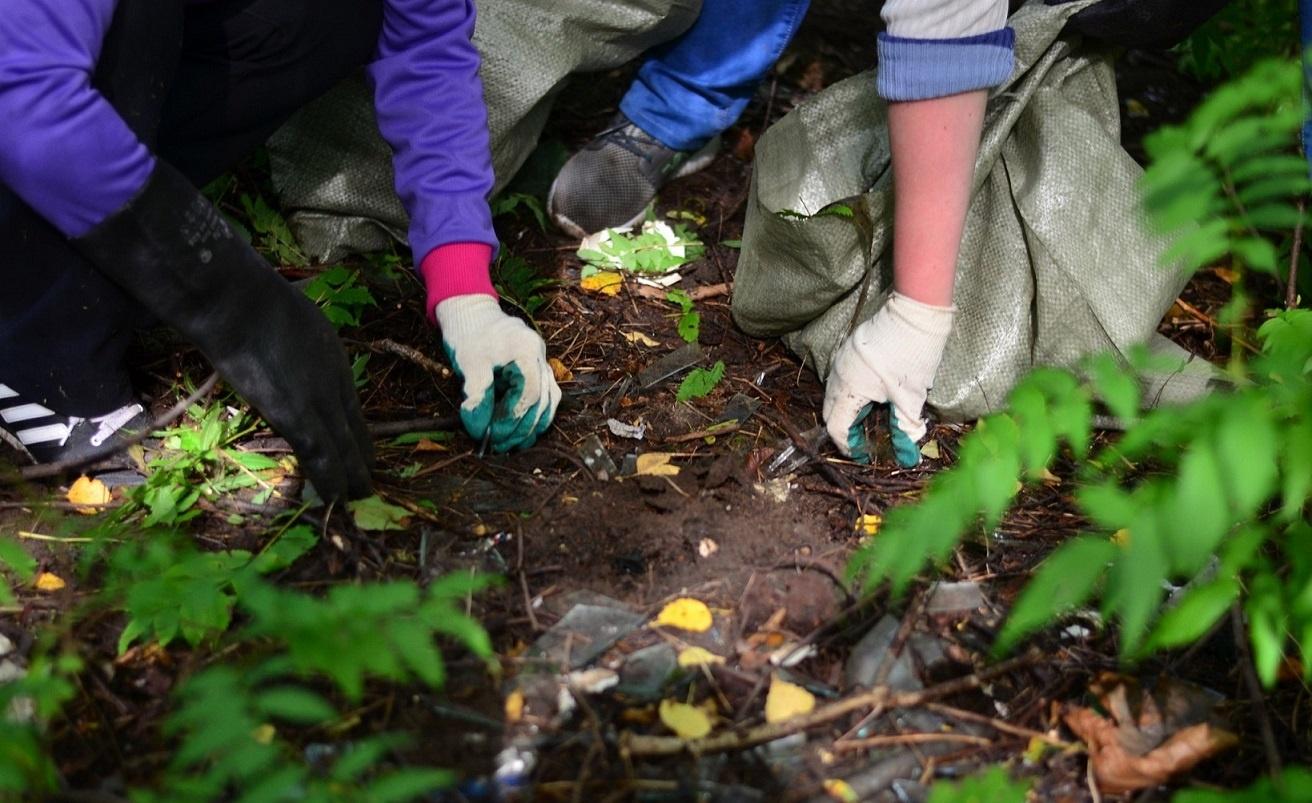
201 86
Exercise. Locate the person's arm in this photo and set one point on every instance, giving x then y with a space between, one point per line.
936 61
430 109
64 150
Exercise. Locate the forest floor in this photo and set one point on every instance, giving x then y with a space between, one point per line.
764 550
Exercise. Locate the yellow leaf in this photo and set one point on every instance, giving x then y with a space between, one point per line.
559 370
515 706
930 450
786 700
687 721
1121 538
264 733
639 337
686 613
656 464
607 282
45 581
86 491
698 656
841 790
1035 751
426 445
868 524
1050 478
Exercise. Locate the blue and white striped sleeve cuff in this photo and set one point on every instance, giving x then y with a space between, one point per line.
920 69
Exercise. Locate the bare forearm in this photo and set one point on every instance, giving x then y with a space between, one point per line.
934 144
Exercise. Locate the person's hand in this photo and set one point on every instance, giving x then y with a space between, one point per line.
171 250
510 391
890 358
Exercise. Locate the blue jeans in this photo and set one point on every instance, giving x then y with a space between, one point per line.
694 87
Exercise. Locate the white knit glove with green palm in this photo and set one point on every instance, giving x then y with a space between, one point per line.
510 392
891 359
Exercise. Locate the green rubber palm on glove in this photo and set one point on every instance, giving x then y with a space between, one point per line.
891 358
510 392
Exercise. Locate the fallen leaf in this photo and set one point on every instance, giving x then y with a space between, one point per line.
425 445
656 464
1163 739
46 581
372 513
264 734
841 790
1049 478
687 721
686 613
1121 538
559 370
607 282
698 656
640 338
86 491
1135 108
514 706
786 700
868 523
930 450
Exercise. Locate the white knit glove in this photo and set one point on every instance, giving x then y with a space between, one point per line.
510 391
890 358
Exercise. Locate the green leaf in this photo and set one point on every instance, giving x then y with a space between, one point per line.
1117 388
700 382
1197 517
1194 615
690 326
409 784
374 514
1063 581
1134 585
15 558
294 704
1246 444
992 786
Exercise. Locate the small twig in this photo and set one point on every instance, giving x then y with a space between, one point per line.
1291 287
388 429
882 696
698 293
997 724
1255 690
388 346
170 415
1212 322
910 738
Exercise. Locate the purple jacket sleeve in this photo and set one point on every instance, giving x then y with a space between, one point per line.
63 148
430 109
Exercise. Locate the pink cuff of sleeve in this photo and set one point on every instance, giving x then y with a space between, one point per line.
457 269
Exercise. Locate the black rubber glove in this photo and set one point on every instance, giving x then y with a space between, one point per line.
1145 24
171 250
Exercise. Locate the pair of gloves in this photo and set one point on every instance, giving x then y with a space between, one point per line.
172 251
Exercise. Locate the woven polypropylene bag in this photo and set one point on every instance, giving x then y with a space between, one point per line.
334 171
1056 262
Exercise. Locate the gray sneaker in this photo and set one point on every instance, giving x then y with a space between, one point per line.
611 181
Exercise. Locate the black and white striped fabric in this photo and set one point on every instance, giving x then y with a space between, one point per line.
47 435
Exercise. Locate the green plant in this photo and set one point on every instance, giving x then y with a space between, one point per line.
991 786
1294 785
689 325
1211 494
519 283
25 702
657 248
1243 33
509 202
340 295
195 460
700 382
272 236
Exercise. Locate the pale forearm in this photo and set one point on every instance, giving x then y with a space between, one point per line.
934 143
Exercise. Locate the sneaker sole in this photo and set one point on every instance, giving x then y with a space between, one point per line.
699 161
